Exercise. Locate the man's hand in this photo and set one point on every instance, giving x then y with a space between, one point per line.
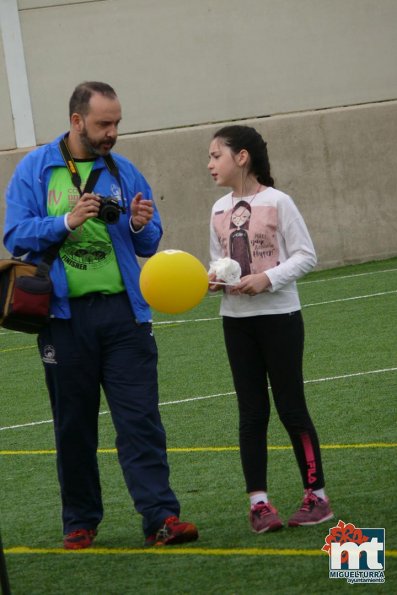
87 207
141 211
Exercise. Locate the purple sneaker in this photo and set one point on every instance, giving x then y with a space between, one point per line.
263 517
314 510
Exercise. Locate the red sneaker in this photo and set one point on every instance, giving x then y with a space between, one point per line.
173 531
314 510
79 539
263 517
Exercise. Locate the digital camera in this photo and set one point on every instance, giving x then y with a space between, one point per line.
109 209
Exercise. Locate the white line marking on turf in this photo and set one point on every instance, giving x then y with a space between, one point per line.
356 297
346 276
185 320
348 299
228 394
360 297
38 423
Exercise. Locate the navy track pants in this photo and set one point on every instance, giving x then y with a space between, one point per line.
102 345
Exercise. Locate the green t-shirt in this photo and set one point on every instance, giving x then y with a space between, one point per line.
87 254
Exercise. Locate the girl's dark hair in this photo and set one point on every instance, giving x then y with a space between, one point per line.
80 99
244 137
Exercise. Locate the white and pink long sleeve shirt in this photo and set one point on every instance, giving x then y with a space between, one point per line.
265 233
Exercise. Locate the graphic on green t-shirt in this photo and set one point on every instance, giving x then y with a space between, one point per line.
87 254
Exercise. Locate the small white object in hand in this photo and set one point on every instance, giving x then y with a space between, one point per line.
226 269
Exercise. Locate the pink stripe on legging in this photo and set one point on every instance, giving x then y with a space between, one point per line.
310 458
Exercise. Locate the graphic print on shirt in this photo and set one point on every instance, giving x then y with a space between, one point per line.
248 234
87 253
239 246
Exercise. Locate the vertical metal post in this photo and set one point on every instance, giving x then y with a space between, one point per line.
17 74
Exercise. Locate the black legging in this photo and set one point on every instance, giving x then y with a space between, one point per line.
262 347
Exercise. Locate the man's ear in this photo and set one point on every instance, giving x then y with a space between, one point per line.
77 122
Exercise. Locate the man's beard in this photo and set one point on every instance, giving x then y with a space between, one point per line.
95 148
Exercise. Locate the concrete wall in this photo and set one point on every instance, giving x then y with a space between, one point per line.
338 165
316 77
183 62
328 161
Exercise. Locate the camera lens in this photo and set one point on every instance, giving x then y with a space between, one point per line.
109 210
110 215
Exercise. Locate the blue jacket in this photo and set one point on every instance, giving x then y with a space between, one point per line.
29 230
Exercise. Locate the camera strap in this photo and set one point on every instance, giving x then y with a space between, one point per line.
94 175
43 267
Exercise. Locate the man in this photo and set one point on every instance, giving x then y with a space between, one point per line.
100 332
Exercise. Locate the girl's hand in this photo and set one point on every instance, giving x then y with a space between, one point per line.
252 285
212 283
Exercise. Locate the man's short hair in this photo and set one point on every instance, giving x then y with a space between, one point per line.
80 99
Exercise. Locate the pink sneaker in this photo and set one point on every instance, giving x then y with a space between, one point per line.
263 517
314 510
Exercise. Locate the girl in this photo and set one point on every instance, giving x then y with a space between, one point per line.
262 321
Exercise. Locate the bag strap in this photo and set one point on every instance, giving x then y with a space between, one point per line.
43 267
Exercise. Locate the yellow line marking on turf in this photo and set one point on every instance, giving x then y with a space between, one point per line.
212 448
28 452
288 447
161 551
368 445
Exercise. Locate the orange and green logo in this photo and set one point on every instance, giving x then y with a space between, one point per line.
358 555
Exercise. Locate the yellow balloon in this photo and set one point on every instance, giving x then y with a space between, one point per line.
173 281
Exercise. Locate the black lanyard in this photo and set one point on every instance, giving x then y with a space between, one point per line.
94 175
